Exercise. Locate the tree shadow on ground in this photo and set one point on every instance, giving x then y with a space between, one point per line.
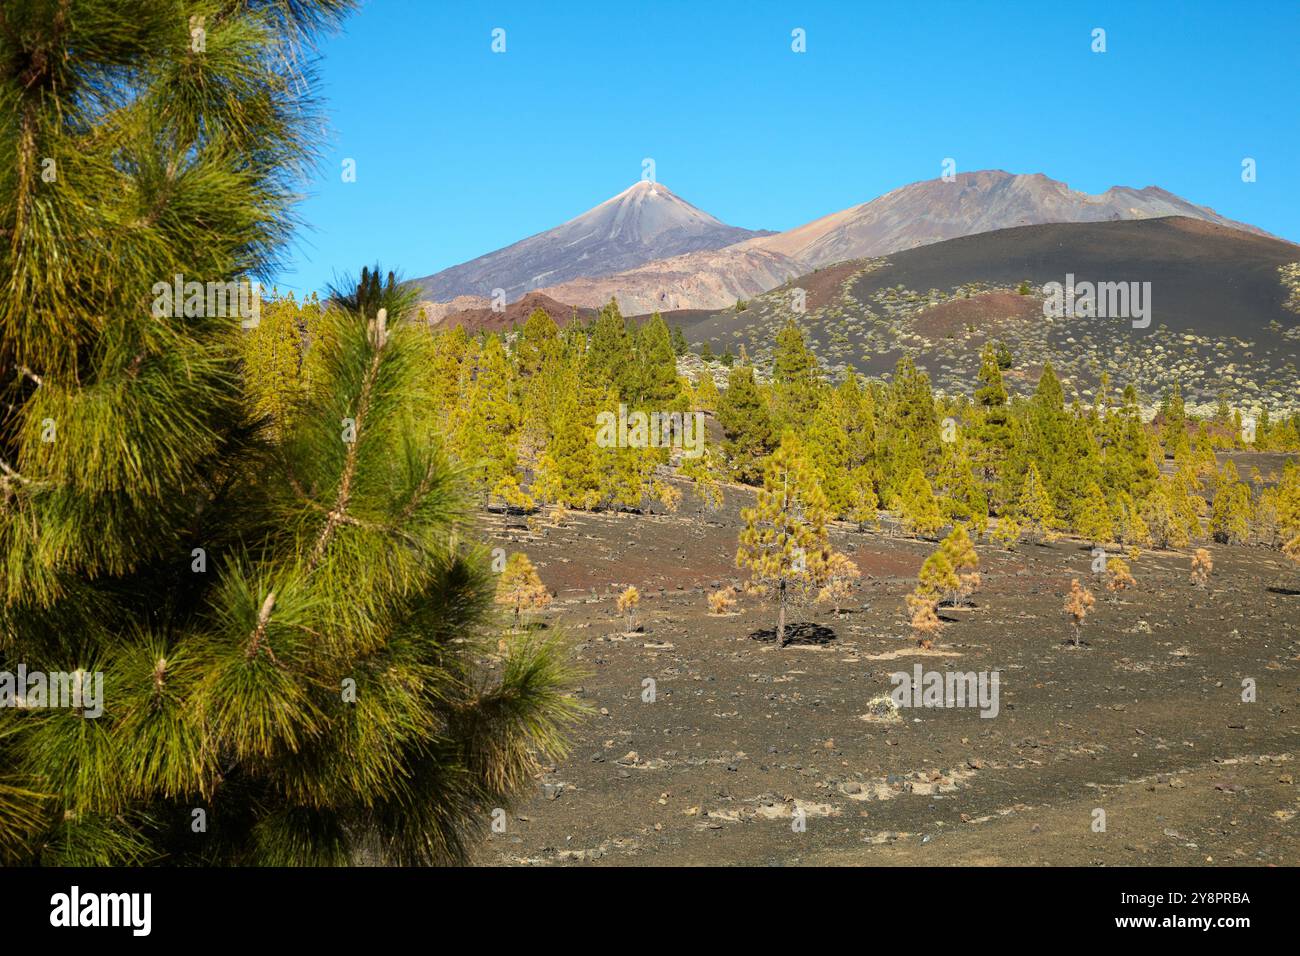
1285 591
803 633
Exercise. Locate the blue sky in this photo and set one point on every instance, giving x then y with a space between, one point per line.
460 150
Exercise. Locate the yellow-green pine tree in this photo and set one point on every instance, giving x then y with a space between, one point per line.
918 509
272 353
1034 510
784 538
1094 523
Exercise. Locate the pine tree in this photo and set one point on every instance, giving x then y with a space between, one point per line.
289 622
1049 441
1203 458
1129 464
520 587
965 562
609 360
569 473
1265 530
272 355
626 605
828 447
626 475
924 620
1292 548
935 579
536 343
1077 605
961 496
865 504
1231 516
1130 528
858 407
508 491
993 437
911 439
704 473
1186 505
706 395
1288 503
784 540
1008 531
545 382
746 424
1119 578
657 387
840 573
487 432
445 372
1165 530
680 347
918 509
1173 431
1094 521
1202 566
1034 510
1070 489
795 379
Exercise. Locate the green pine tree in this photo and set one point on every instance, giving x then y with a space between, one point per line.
609 357
911 435
680 346
487 435
795 378
1093 523
993 437
749 436
288 624
1034 510
784 542
657 387
1173 431
918 509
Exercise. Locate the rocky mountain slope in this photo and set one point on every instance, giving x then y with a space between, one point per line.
644 222
1218 296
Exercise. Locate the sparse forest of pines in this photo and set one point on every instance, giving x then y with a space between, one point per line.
518 412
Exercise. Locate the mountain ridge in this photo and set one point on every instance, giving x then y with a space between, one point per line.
907 217
682 258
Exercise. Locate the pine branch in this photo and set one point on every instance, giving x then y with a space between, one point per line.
339 512
259 632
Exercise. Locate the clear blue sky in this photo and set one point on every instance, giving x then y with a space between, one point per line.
460 150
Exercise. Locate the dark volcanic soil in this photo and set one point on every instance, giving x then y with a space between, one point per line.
1145 722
